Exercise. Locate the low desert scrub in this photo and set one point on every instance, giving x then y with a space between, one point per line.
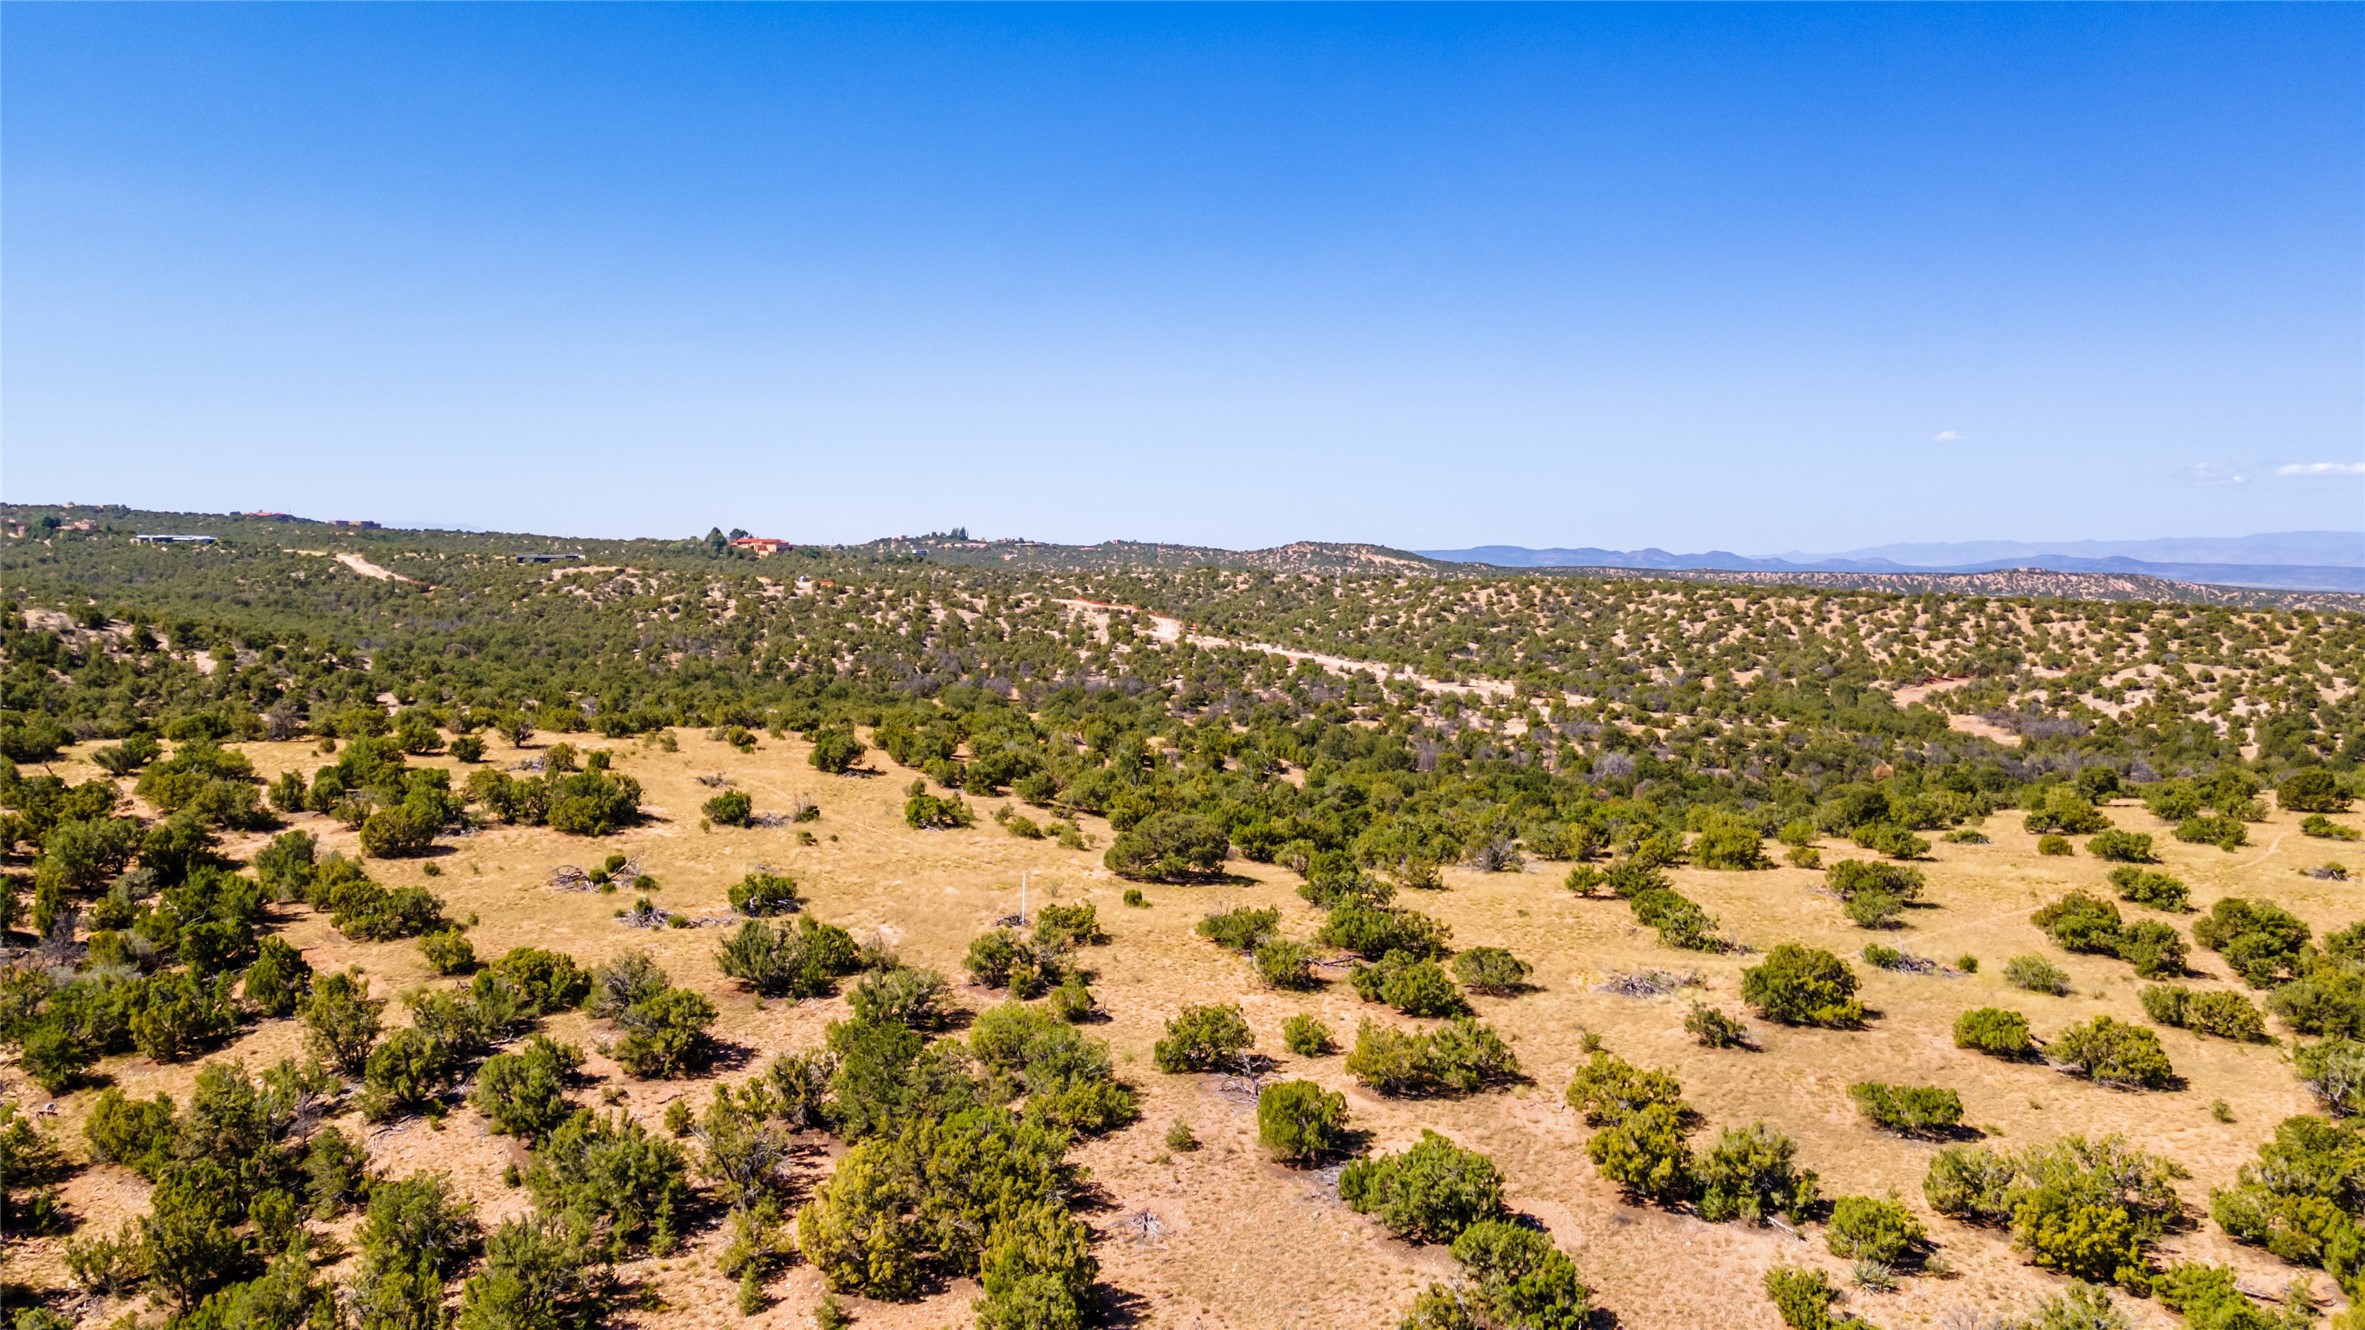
1876 1229
1512 1276
1204 1038
1300 1122
1491 971
2088 1208
2036 975
1799 985
2152 889
2084 922
1428 1193
1411 984
2114 1053
1714 1029
1241 929
1461 1057
1909 1110
1994 1031
2211 1011
1307 1037
2264 943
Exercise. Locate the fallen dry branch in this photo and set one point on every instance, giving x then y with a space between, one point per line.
1650 983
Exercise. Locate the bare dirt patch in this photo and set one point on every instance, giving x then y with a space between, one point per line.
1958 721
373 571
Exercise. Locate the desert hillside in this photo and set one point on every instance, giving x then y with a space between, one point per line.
674 936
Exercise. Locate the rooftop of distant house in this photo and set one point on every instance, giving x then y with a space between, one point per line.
166 538
763 546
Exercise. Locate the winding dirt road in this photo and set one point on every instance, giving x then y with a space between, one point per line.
1168 629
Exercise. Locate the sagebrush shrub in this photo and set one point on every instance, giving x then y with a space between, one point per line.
1911 1110
2127 847
1608 1088
2037 975
447 951
1714 1029
1241 929
1372 932
1307 1037
1413 985
1802 1297
1203 1038
1800 985
1869 1228
2113 1052
546 981
1994 1031
2262 942
1491 970
1428 1193
1518 1278
2210 1011
1299 1121
1286 965
1646 1153
1751 1173
762 893
904 995
524 1093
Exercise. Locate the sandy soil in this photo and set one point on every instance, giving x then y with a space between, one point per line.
373 571
1979 725
1242 1242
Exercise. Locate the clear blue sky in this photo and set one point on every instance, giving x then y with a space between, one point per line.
1758 278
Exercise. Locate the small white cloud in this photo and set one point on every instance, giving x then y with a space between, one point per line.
2322 469
1946 436
2216 475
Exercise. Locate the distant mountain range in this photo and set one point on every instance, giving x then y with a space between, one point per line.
2231 571
2284 560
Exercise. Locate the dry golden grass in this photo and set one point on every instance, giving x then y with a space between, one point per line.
1249 1244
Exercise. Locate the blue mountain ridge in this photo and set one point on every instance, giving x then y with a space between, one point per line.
2292 560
